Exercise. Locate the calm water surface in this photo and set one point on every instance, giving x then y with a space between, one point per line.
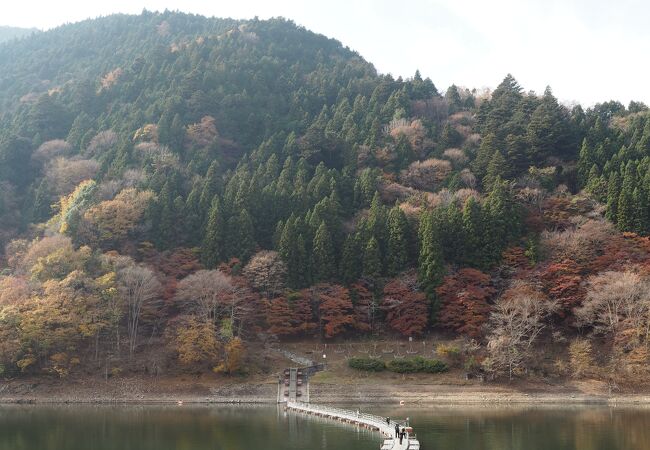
269 428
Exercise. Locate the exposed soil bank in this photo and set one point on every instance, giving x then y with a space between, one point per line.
193 390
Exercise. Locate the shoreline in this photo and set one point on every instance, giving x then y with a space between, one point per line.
411 392
441 397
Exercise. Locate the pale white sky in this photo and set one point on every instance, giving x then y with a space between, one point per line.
587 50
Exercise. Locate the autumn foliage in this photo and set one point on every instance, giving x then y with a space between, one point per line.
333 308
563 282
290 316
465 301
405 306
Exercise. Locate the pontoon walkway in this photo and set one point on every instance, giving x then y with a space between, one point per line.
369 421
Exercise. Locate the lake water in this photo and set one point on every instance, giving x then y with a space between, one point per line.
74 427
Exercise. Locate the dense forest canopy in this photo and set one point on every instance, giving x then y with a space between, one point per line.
10 33
212 182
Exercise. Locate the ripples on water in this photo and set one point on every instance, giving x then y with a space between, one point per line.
74 427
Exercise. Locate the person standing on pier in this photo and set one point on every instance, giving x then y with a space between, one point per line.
396 430
388 421
401 436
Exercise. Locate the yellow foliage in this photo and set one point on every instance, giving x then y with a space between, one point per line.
149 132
196 342
70 206
234 359
24 363
60 364
637 359
581 357
112 220
60 263
13 290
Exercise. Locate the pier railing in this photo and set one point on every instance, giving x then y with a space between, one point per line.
359 418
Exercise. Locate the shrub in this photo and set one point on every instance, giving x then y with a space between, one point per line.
471 365
450 352
417 365
367 364
429 365
401 366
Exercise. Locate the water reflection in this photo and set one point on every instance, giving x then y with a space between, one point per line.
529 428
74 427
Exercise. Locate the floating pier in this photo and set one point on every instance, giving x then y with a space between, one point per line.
369 421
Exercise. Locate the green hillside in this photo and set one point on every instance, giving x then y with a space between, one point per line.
10 33
210 183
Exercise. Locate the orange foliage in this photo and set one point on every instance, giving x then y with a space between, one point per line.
621 251
202 134
175 265
364 306
465 298
562 282
515 259
111 78
290 316
405 306
334 308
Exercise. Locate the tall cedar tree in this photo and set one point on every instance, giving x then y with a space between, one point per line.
323 262
398 241
372 260
213 242
430 259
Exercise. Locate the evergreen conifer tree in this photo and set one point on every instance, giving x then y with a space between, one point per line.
244 244
613 193
497 168
323 262
474 229
41 209
351 259
397 249
586 160
213 250
430 260
372 260
625 214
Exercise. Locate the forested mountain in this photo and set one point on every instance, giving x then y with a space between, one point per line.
9 33
209 183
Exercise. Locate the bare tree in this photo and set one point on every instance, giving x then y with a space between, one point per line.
515 323
532 196
101 143
617 303
64 174
159 156
580 243
266 272
138 287
456 156
51 149
207 293
426 175
468 178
